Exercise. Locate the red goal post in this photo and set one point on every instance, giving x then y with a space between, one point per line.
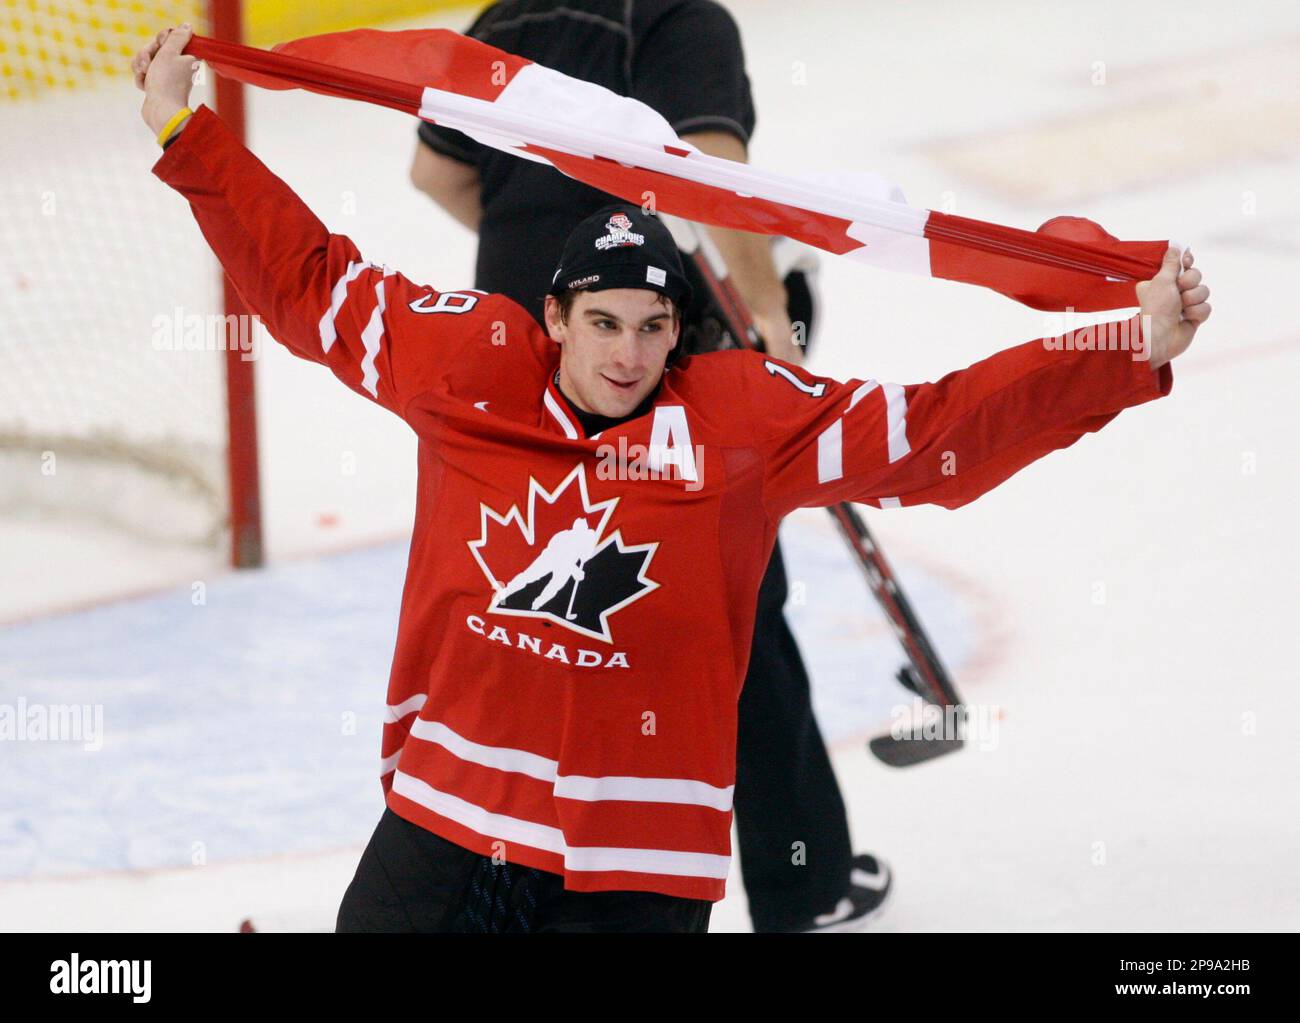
241 406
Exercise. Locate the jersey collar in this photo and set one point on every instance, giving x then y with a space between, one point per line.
560 414
556 414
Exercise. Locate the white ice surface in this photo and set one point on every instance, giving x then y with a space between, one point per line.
1130 604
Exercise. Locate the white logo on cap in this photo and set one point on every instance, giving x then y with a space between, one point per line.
654 275
620 234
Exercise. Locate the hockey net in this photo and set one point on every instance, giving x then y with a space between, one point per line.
113 390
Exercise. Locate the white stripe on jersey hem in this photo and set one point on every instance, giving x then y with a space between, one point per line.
549 839
396 712
644 790
389 763
338 295
684 791
499 757
553 407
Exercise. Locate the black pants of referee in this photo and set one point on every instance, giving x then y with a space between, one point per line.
795 850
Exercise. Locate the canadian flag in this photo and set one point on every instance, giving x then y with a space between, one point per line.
623 147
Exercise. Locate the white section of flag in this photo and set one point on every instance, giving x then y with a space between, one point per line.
541 107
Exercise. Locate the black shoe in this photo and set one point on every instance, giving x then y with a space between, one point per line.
870 882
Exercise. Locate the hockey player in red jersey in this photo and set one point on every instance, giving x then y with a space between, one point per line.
561 757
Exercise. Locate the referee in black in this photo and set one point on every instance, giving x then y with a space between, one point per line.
684 59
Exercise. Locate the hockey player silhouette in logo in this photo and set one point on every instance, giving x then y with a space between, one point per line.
579 577
563 559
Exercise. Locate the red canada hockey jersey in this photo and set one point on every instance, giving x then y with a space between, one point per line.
577 612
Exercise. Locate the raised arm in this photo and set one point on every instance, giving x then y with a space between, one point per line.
312 290
948 442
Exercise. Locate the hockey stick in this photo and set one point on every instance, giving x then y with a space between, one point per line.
569 615
924 675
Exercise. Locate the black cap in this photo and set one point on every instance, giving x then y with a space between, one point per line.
621 246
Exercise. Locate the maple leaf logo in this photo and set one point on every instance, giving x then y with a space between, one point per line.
556 562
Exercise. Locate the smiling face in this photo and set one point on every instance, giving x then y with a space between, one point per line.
613 346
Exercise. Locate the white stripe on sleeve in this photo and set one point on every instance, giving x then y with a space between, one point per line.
372 337
338 295
830 452
830 443
896 416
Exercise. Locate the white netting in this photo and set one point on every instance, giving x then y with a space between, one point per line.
101 268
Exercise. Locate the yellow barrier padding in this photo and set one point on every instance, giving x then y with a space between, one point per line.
62 45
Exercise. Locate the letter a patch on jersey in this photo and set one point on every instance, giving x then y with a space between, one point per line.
558 562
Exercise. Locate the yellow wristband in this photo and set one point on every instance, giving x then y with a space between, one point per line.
173 123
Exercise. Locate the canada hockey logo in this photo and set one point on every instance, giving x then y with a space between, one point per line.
558 561
620 234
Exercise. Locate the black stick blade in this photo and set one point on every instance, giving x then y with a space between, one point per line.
906 752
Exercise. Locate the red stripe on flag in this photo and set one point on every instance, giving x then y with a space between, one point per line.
705 204
283 71
437 58
1058 266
